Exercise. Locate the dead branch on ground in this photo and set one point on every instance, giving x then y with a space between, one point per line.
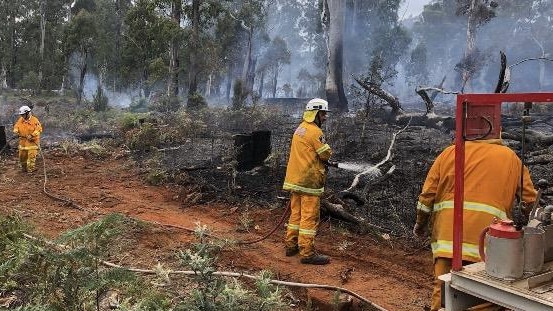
374 170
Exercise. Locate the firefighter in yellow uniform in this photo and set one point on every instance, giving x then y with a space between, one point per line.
305 179
28 129
492 182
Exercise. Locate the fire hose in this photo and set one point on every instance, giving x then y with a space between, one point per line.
280 222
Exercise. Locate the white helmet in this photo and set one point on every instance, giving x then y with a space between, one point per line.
317 104
24 109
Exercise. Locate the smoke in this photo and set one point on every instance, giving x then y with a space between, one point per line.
90 86
115 99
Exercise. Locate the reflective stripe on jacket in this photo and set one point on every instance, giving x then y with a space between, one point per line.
306 172
492 178
24 128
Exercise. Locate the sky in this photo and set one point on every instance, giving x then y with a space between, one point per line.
411 8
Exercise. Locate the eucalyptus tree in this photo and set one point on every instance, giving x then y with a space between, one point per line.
334 20
535 24
229 34
110 23
251 17
441 29
176 40
417 66
203 48
14 14
478 13
314 44
80 41
275 57
144 47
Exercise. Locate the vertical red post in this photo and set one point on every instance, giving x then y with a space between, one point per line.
458 198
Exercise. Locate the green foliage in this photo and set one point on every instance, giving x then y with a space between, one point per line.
13 250
30 81
416 68
140 105
196 101
65 277
128 121
143 138
100 101
165 104
156 177
212 292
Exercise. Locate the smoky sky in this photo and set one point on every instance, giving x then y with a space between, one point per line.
411 7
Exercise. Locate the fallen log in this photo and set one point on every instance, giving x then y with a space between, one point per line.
533 138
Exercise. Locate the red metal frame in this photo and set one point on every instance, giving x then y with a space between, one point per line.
473 100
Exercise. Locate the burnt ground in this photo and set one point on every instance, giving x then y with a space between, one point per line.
201 186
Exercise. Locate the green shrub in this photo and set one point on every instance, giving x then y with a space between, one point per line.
143 138
141 105
213 292
100 101
128 121
196 101
165 104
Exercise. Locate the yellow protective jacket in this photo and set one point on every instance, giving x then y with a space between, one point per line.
24 128
492 179
306 172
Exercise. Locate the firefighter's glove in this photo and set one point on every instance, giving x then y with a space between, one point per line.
332 163
418 230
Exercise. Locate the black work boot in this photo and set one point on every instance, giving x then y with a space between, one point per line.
315 259
292 251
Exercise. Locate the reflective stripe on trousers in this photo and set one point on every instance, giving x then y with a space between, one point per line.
303 223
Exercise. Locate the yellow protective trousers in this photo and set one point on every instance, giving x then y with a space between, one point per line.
303 223
27 159
443 266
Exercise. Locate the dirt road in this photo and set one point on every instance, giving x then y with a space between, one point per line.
386 273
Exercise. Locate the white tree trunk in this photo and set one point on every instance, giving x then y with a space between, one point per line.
334 85
42 37
471 44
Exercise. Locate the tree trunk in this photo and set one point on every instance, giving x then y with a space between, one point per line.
194 46
471 44
173 85
261 81
3 81
208 86
229 82
251 75
145 86
120 15
334 85
42 36
83 68
247 62
13 52
275 81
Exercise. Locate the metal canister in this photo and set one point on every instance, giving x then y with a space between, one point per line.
534 244
504 250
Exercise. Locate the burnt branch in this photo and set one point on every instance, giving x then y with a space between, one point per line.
427 101
501 85
375 170
383 94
